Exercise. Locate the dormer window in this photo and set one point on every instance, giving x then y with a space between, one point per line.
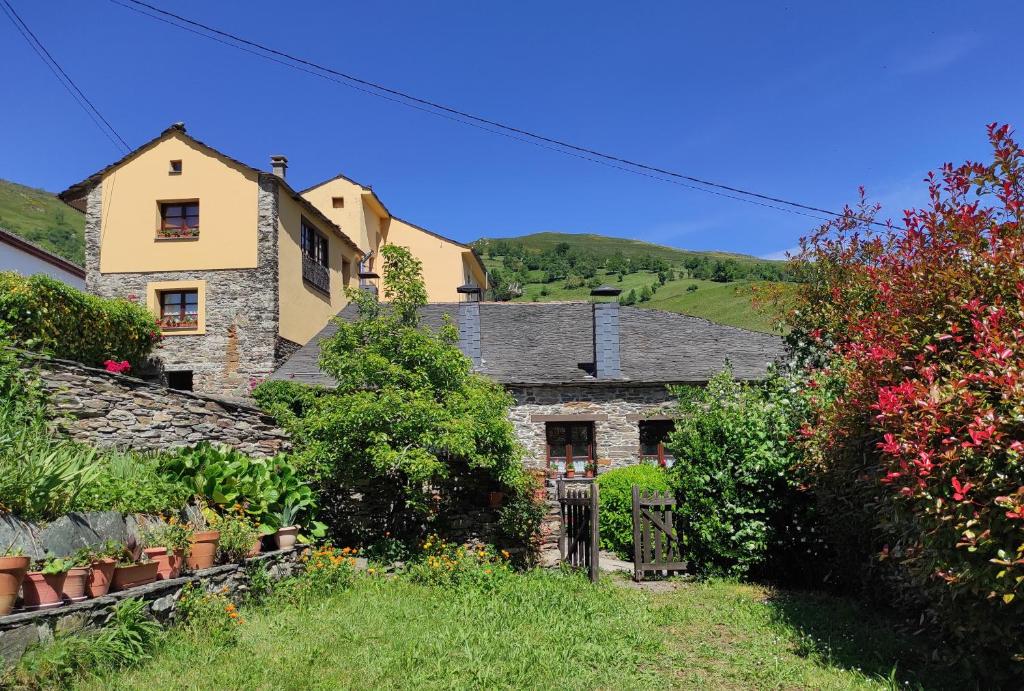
179 220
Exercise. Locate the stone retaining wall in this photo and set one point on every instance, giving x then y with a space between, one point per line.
19 631
112 410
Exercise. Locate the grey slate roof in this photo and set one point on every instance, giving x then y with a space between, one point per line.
553 343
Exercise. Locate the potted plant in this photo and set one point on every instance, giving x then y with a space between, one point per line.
579 466
560 467
237 535
102 561
42 586
203 549
13 567
77 579
133 568
288 531
169 544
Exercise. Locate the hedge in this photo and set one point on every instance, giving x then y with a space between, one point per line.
43 314
616 508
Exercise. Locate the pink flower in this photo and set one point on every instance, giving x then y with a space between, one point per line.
117 367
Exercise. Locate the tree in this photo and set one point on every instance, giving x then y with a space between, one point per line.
724 271
629 298
645 293
409 430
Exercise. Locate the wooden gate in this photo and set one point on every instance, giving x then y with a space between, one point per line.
579 540
655 541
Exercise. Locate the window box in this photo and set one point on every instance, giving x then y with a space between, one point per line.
178 221
171 323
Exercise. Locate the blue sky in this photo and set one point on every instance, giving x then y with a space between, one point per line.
804 100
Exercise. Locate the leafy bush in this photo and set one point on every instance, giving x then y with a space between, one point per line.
408 421
734 489
238 534
262 487
212 613
616 499
327 569
916 439
43 314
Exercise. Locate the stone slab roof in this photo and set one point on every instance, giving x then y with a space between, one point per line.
552 343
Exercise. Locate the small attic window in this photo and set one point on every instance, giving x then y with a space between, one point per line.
338 202
175 168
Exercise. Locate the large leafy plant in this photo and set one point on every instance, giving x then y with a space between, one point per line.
616 497
916 440
261 487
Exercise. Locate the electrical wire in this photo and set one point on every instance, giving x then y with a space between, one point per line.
463 117
67 82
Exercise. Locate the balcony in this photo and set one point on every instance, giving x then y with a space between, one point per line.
316 274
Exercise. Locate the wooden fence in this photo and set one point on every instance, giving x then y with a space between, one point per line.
655 542
579 540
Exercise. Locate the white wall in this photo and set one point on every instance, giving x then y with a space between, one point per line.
16 259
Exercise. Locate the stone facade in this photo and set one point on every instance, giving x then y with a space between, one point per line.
615 410
242 311
111 410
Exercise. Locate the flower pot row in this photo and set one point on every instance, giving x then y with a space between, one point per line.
53 586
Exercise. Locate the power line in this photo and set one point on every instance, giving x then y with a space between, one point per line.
67 82
493 126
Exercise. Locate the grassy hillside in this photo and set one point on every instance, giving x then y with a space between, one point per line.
40 217
726 302
605 246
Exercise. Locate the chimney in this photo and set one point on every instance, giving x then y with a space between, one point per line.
606 334
469 324
279 164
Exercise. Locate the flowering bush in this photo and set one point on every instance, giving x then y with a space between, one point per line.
213 613
448 564
46 315
916 438
327 568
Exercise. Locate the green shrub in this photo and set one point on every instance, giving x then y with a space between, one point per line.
448 565
732 473
616 499
43 314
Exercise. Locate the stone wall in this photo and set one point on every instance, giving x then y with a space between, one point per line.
242 311
615 409
111 410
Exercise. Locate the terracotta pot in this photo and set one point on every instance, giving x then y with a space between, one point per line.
134 575
99 580
569 472
168 565
12 573
495 499
74 584
153 552
40 591
204 549
257 547
285 538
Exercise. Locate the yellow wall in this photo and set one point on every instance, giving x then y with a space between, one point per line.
227 195
445 263
305 310
351 219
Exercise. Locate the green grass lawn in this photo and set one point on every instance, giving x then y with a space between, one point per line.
40 217
541 630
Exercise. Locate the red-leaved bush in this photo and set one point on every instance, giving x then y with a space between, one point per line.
915 448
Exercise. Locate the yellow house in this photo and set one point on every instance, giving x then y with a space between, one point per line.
240 269
447 264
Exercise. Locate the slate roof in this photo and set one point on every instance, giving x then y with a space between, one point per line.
552 343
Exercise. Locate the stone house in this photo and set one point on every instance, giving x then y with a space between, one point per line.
262 273
590 380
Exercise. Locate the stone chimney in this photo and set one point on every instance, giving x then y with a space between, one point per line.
469 322
279 164
606 334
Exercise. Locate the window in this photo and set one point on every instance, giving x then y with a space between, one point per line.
179 220
179 309
571 446
653 435
180 380
314 258
338 202
175 168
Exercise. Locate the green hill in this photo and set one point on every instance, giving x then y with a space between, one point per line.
40 217
718 286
